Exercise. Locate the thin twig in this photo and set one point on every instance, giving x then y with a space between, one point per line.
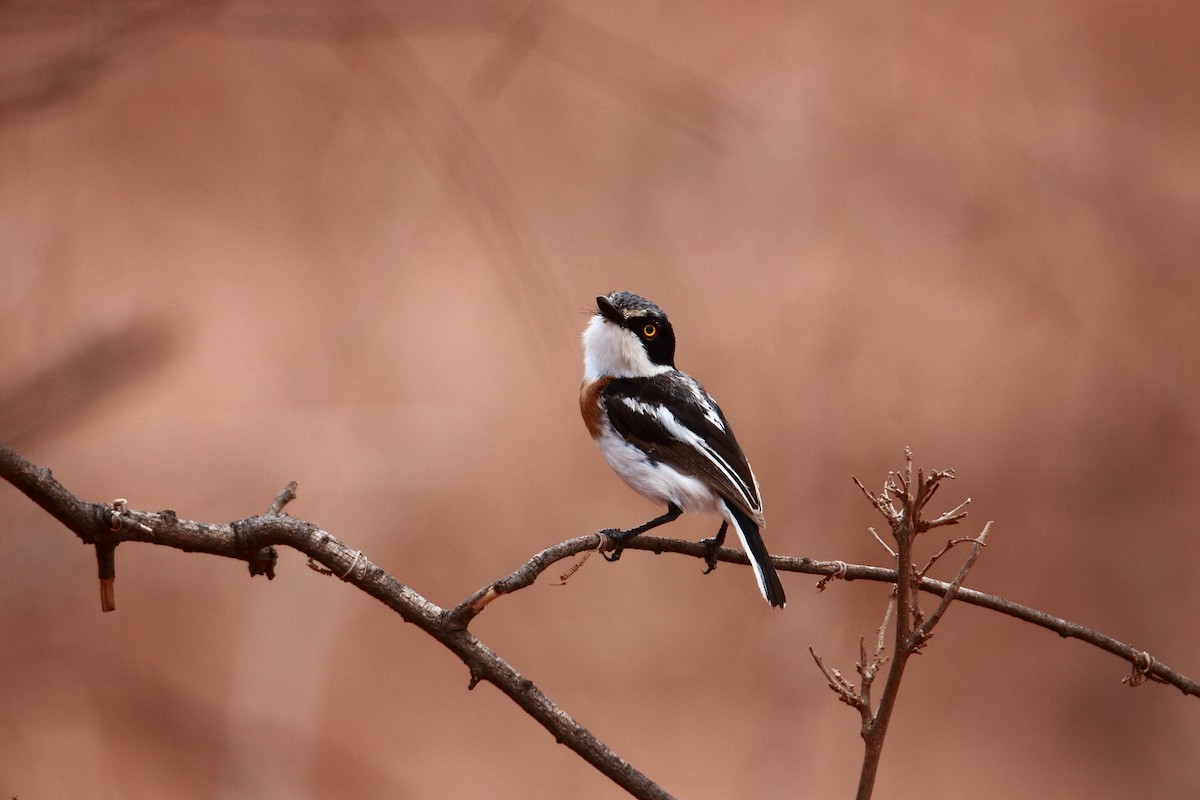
886 546
950 544
286 495
927 627
951 517
868 669
843 688
462 614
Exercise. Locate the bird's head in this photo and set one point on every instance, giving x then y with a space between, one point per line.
627 337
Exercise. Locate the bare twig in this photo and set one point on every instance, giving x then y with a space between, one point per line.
286 495
462 614
886 546
950 544
951 517
843 688
926 628
874 498
868 669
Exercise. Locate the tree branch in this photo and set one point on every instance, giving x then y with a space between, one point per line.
248 539
243 539
75 515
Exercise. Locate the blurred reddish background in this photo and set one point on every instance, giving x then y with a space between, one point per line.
354 245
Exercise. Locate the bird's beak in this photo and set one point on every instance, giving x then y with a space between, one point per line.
609 311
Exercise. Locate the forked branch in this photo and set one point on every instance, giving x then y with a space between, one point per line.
902 503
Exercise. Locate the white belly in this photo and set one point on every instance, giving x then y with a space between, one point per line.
657 482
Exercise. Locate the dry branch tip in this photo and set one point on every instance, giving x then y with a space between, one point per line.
286 495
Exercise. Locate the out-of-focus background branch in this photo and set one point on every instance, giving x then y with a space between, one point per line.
354 244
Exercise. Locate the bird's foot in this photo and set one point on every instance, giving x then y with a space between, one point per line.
618 537
710 558
713 545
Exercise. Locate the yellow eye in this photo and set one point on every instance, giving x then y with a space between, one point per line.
650 331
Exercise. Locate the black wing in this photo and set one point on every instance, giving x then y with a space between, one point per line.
674 421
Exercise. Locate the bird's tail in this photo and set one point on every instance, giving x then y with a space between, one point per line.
756 551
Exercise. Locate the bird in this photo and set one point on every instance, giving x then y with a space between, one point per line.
664 435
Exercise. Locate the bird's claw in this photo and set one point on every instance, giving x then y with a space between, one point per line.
712 544
618 538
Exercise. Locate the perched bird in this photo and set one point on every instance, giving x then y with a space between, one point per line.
663 434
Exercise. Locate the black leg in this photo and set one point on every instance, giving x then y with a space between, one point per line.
620 537
714 544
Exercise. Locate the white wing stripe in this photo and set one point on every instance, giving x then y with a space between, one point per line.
689 437
705 402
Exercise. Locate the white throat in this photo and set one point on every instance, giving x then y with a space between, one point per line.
612 351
